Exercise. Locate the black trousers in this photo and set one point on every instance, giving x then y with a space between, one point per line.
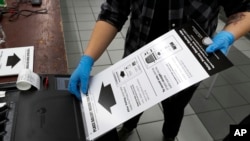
109 136
173 109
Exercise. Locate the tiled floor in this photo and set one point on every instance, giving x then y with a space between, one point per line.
205 119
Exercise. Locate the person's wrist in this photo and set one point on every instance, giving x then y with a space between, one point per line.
229 36
87 59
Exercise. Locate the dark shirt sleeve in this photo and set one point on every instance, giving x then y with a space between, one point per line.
115 12
234 6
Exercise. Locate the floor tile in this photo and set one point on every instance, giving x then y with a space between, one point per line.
84 44
71 36
234 76
117 43
80 3
70 26
103 60
220 26
245 69
193 130
216 122
66 3
243 90
85 35
242 44
151 115
124 32
71 70
115 55
118 36
126 25
151 131
237 58
228 97
73 60
96 9
247 53
239 113
220 81
95 2
83 10
84 17
73 47
67 10
96 15
201 86
68 18
86 25
132 137
97 69
200 104
188 110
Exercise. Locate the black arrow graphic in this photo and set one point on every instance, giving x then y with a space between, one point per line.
12 60
107 98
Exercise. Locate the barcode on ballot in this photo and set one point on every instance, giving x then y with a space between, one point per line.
27 58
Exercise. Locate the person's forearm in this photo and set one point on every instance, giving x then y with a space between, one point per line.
101 37
238 24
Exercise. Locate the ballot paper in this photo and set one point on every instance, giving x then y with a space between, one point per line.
13 60
160 69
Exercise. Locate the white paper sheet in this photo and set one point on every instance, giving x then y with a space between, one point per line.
13 60
155 72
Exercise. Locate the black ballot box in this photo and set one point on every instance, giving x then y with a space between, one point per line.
48 114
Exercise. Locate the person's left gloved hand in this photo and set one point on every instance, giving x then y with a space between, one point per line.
222 41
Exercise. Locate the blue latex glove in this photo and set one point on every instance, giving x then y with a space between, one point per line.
80 77
222 41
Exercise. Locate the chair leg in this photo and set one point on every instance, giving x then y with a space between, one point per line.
211 86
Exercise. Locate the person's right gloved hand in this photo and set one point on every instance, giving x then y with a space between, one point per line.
221 41
79 79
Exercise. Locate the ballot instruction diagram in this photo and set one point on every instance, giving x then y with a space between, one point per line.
13 60
158 70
